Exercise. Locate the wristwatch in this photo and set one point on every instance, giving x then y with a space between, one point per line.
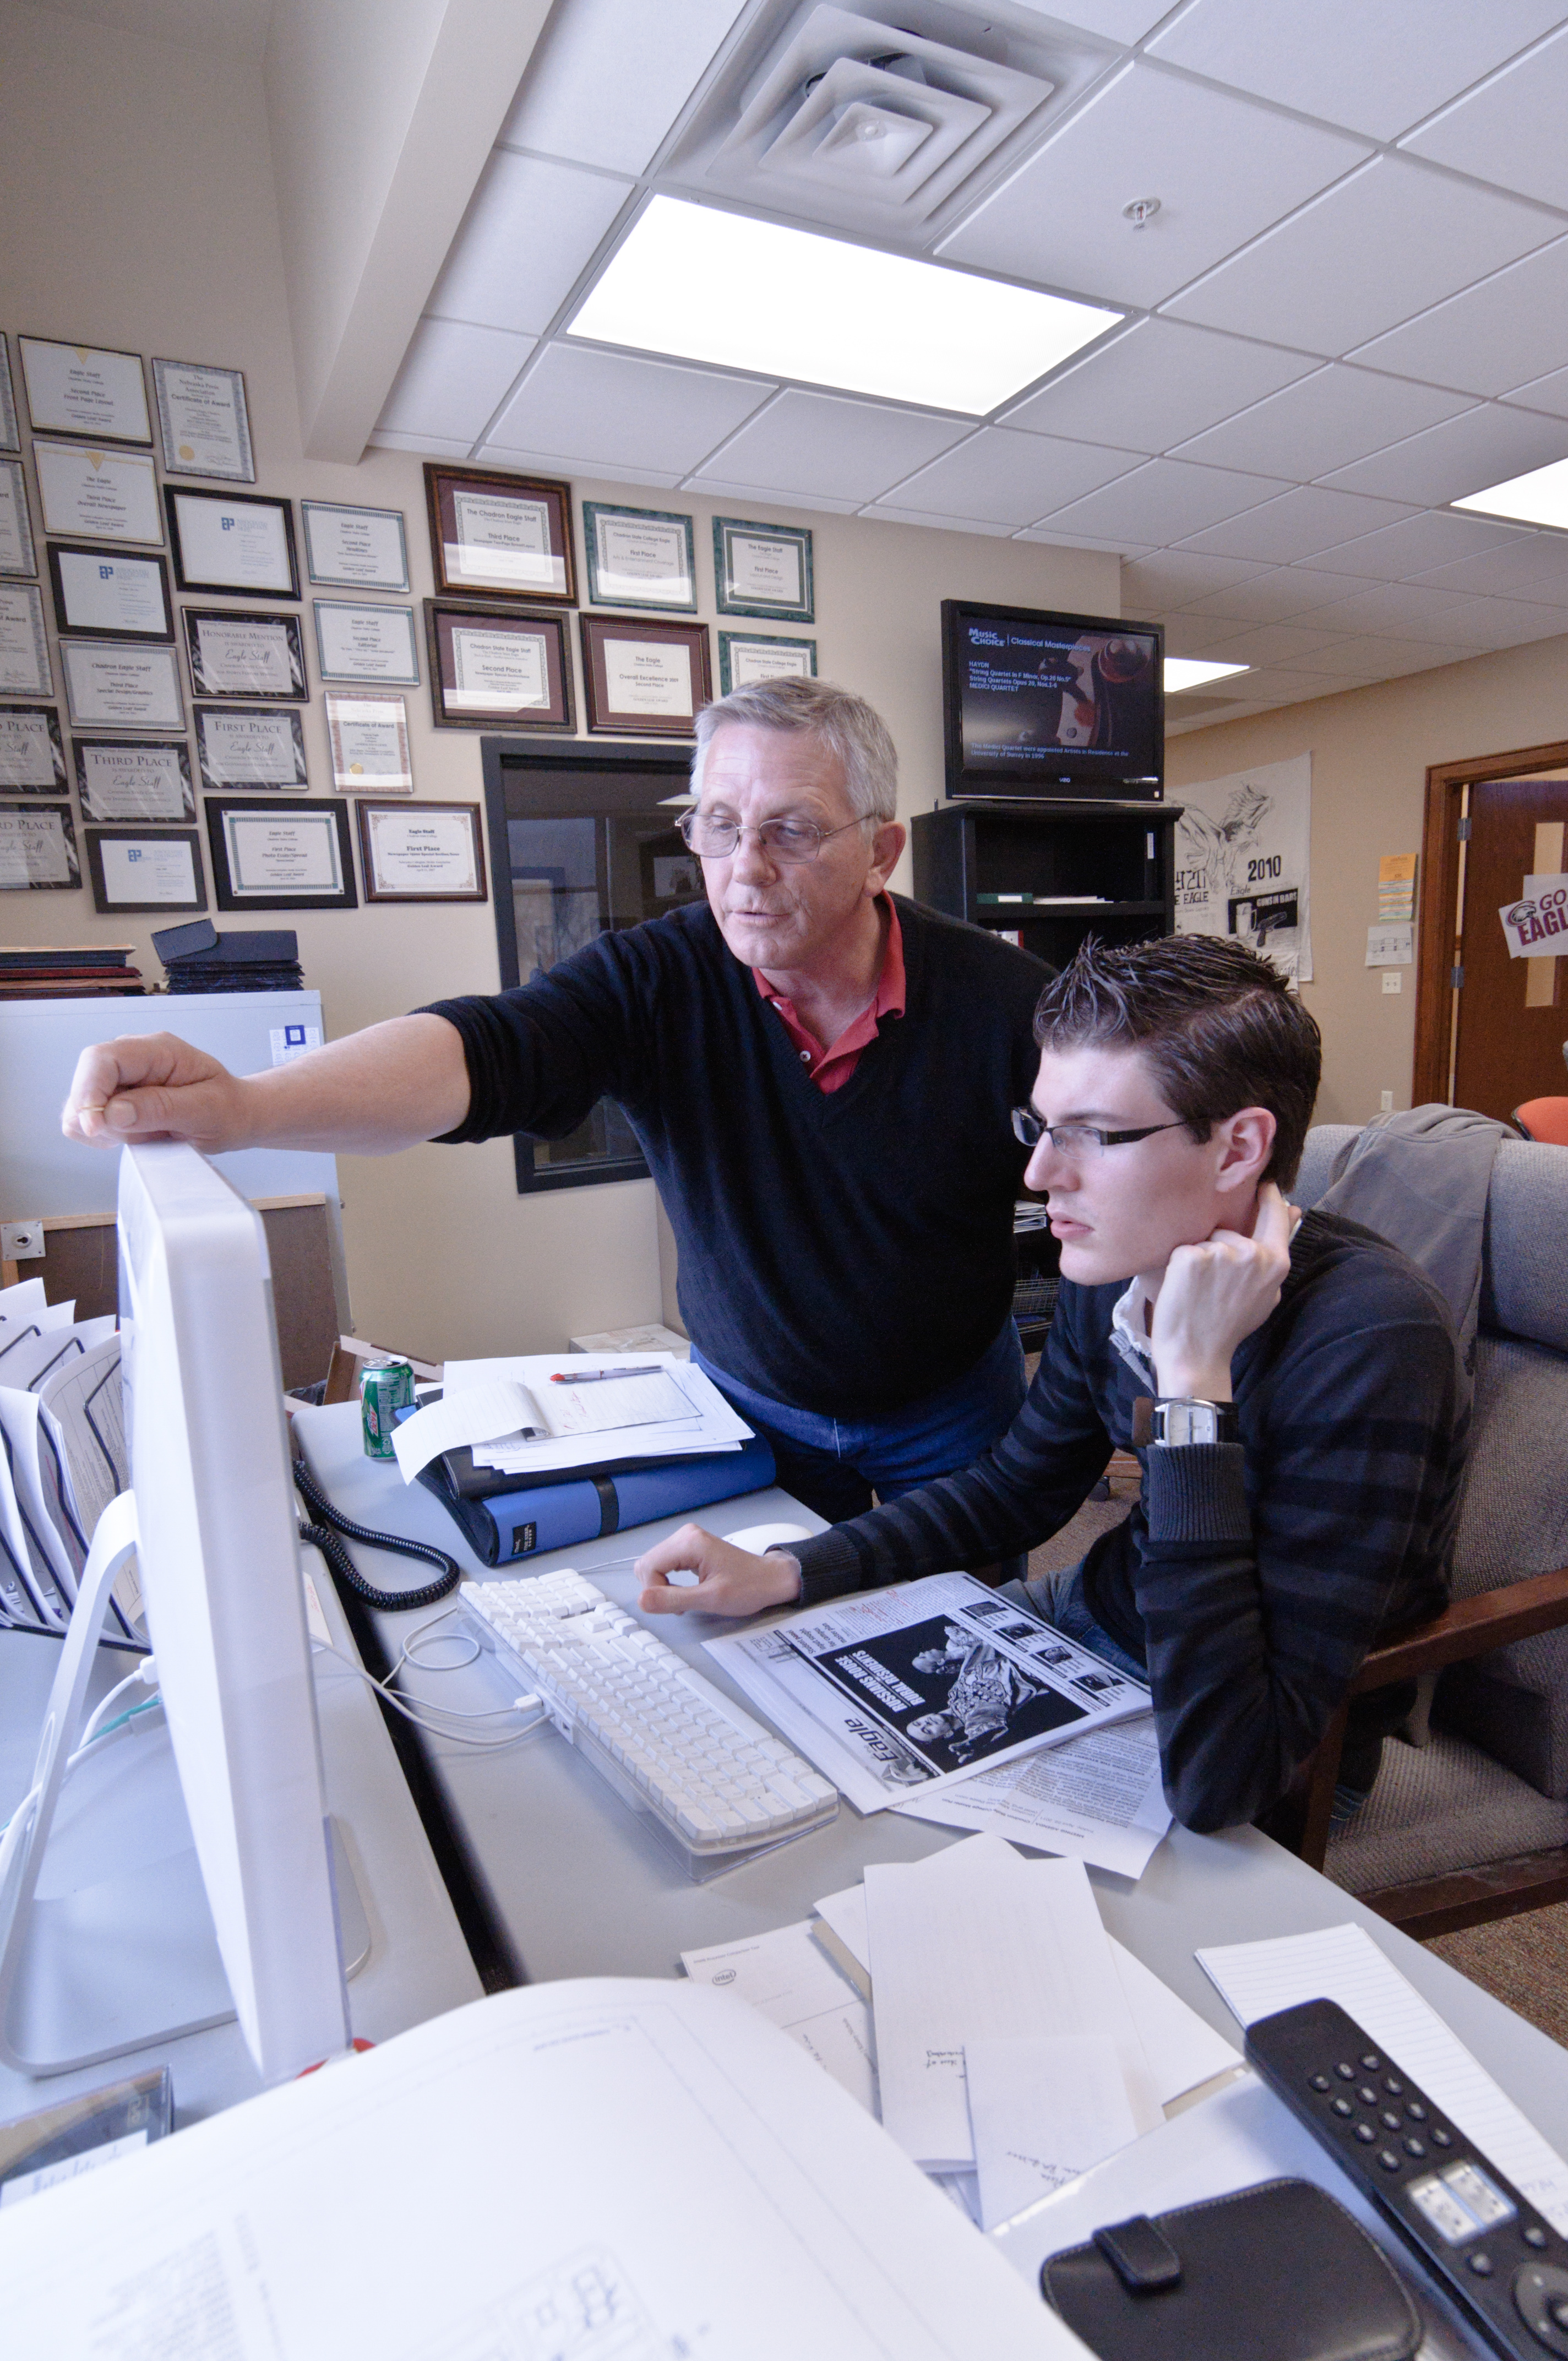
1181 1419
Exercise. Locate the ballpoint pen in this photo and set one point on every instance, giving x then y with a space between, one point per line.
594 1376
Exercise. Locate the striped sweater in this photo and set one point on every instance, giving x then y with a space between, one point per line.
1250 1577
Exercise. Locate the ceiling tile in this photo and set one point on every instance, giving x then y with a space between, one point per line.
849 451
1483 446
1323 421
886 515
531 230
1394 552
1190 635
610 77
1116 547
1222 169
549 463
1496 335
1527 566
588 406
1544 393
1270 643
1279 596
1164 501
1510 130
1116 20
1376 69
1299 525
1371 658
1001 478
1402 609
1384 244
1175 577
427 447
699 480
1157 384
452 380
1510 622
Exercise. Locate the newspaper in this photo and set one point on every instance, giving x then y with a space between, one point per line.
907 1691
1098 1798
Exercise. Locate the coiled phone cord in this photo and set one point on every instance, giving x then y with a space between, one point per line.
324 1516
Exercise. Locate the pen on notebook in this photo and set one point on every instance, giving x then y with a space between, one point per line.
594 1376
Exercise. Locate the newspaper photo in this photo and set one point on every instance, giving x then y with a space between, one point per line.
902 1692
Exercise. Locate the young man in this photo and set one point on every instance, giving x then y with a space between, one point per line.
1291 1383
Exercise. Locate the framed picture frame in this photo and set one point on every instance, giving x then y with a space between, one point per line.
269 854
134 780
16 553
746 657
24 669
354 549
643 678
38 849
203 421
260 658
131 871
495 535
232 542
763 570
249 746
110 685
369 734
32 750
366 642
10 433
421 852
640 557
84 389
105 594
498 668
89 495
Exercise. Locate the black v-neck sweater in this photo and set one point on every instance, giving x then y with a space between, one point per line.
846 1252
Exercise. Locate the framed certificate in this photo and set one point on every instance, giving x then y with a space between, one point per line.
10 437
24 644
640 557
75 389
369 738
232 541
744 659
32 750
250 746
132 872
495 535
235 654
763 570
202 422
108 596
354 549
94 495
16 525
38 848
281 856
498 668
366 642
421 852
644 679
134 779
110 686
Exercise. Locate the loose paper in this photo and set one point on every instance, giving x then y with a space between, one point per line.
789 1980
1096 1798
1042 2111
1397 886
463 1416
715 1427
1390 946
1242 853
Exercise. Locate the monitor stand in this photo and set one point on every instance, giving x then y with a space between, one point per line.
93 1964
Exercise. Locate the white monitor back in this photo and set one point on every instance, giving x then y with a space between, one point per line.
218 1558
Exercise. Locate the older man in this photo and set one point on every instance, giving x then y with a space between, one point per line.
819 1075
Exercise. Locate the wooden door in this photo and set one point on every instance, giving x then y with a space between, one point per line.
1512 1014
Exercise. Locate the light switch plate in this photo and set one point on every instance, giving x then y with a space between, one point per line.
1392 980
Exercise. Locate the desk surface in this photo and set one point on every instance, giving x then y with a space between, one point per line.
578 1886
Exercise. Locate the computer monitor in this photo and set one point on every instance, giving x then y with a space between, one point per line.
1051 706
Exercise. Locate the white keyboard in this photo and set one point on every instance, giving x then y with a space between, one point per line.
668 1741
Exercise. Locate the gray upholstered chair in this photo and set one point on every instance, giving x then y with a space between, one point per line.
1474 1825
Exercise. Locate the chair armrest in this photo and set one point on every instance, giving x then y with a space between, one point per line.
1470 1627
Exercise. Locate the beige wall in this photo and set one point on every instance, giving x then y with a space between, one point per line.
137 199
1370 750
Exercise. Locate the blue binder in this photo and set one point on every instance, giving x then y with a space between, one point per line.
505 1526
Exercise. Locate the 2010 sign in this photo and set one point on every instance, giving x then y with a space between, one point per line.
1536 926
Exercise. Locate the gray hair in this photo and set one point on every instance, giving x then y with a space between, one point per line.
845 723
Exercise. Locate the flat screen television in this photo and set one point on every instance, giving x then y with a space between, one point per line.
1054 707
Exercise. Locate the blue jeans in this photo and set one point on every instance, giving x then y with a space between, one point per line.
834 1464
1058 1598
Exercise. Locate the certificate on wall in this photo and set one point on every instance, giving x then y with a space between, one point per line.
76 389
134 780
24 644
745 658
116 597
232 541
38 848
32 750
354 549
369 739
763 569
498 666
10 438
130 872
292 856
235 654
421 852
366 642
16 525
491 533
645 679
261 747
202 420
115 685
98 494
640 557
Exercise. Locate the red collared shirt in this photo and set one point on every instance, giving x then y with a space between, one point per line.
830 1069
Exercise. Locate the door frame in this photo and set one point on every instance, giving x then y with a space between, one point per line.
1437 939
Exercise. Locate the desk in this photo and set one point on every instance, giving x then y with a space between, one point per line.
574 1886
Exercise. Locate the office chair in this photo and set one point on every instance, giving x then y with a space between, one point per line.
1473 1825
1544 1119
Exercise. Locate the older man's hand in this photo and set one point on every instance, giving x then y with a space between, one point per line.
730 1581
151 1086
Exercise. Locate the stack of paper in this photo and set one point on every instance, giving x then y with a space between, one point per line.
1098 1798
516 1418
62 1451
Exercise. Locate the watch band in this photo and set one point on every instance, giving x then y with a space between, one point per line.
1179 1419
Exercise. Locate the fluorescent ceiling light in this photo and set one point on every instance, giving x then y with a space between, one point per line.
1540 497
709 286
1192 671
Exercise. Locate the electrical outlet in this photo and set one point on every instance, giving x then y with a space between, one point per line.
1385 1101
21 1241
1392 980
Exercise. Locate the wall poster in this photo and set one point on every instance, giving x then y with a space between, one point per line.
1243 861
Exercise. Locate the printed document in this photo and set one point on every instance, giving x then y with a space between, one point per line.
1042 2111
82 1395
1097 1798
694 1415
789 1977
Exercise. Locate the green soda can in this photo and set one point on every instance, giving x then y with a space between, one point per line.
386 1387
